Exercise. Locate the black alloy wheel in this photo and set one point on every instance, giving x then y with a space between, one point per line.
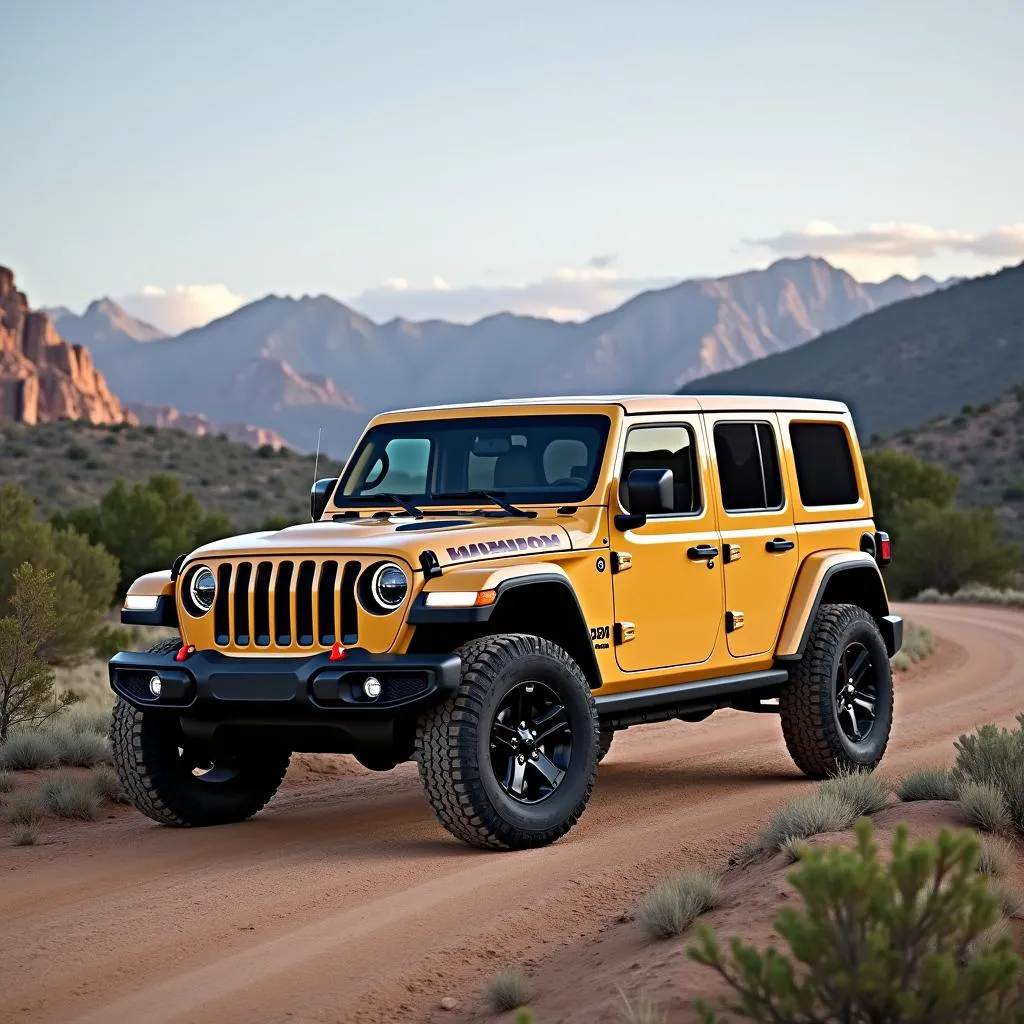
531 742
856 692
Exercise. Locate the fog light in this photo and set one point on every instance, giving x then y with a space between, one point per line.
371 687
155 686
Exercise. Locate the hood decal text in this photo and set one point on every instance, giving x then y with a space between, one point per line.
513 546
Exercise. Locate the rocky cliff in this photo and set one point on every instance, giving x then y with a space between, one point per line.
201 426
42 377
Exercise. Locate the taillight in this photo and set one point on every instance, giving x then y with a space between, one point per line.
884 548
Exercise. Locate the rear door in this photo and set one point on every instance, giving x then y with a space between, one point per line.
759 539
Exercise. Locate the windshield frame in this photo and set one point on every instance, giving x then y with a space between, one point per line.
599 419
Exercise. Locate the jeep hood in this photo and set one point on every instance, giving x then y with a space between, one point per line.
455 539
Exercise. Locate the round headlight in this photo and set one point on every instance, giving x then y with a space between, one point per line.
202 588
389 586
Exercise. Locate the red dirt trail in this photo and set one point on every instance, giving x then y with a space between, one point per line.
346 901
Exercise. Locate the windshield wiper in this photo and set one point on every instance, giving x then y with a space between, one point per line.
497 497
387 499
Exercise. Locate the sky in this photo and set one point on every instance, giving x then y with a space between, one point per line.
452 158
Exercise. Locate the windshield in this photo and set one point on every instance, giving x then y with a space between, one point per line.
537 459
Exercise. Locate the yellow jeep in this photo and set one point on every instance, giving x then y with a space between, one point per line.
495 590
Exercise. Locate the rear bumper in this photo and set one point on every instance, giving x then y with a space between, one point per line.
214 686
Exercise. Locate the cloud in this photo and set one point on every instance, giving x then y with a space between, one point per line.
183 306
567 293
886 248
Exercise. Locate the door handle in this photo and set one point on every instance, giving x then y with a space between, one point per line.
779 544
702 552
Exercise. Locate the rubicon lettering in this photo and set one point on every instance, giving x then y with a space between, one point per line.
512 546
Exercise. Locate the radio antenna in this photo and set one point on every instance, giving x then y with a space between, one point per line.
316 462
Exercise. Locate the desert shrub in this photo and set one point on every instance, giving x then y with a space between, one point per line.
7 781
994 857
833 807
677 901
27 694
918 644
792 848
508 990
25 807
24 835
931 783
107 786
865 792
68 796
984 807
1010 901
27 750
995 757
86 721
896 942
79 749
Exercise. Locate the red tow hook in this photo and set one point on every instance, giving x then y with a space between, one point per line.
337 652
184 652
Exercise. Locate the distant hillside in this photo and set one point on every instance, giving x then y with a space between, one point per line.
66 464
294 365
984 446
104 326
905 364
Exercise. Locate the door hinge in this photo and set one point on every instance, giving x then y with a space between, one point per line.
730 553
733 621
621 561
624 632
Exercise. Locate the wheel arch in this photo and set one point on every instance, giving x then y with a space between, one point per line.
541 602
846 577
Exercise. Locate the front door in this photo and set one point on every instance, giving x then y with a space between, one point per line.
667 574
758 536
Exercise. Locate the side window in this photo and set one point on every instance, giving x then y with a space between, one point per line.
401 469
664 447
748 467
824 464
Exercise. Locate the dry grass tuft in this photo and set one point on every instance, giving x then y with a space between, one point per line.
931 783
508 990
677 901
25 807
25 835
865 792
994 857
918 644
107 786
7 782
984 807
643 1011
824 810
79 749
28 750
68 796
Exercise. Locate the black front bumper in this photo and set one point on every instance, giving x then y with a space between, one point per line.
211 685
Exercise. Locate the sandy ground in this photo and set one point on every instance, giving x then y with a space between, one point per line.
346 901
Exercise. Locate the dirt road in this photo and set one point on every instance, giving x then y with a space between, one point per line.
346 901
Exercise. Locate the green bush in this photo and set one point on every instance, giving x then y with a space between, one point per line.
677 901
146 526
933 783
994 757
84 574
908 942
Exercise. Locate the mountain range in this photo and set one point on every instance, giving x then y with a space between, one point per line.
906 364
295 364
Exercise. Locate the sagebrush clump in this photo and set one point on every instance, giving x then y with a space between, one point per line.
508 990
907 942
931 783
993 757
677 901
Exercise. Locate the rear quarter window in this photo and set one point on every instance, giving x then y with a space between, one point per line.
824 464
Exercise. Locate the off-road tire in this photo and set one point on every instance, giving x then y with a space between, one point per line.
810 722
452 746
604 743
145 750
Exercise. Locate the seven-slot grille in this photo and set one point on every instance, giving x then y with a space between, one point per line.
286 603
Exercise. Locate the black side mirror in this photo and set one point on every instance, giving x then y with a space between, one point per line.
650 492
320 495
